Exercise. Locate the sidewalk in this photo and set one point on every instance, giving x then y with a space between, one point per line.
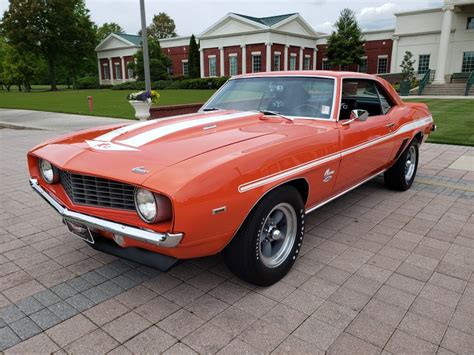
52 121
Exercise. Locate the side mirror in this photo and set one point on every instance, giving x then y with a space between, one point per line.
359 115
356 115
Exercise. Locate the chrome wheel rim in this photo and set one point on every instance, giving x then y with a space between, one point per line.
410 163
278 235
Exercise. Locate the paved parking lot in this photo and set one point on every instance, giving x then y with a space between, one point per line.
379 270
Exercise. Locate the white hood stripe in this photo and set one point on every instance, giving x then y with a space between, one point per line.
109 136
154 134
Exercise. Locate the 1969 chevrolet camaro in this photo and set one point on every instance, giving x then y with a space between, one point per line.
238 176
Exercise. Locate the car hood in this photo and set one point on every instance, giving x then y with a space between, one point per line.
155 145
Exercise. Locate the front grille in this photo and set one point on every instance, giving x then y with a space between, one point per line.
95 191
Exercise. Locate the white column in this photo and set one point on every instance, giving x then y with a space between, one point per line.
111 71
393 60
100 71
315 55
221 59
268 58
443 45
285 64
123 68
300 67
244 58
201 61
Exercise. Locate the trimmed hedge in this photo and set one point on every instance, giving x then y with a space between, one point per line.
200 84
88 82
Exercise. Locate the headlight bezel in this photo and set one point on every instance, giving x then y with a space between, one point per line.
163 209
55 172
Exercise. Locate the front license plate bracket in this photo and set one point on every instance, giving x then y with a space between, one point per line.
80 230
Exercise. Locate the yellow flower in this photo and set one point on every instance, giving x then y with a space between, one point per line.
155 96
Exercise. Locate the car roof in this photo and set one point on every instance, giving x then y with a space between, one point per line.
316 73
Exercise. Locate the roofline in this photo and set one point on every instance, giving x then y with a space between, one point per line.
174 38
120 38
414 12
366 32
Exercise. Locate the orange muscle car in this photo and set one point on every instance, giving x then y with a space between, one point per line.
238 176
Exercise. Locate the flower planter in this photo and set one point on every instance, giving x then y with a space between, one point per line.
142 109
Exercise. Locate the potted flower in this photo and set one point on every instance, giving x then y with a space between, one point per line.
142 101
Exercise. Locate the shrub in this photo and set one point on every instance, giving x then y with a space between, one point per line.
88 82
199 84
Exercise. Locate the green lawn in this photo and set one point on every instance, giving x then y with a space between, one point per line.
110 103
454 118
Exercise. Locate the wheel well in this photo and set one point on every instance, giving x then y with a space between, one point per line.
419 137
301 185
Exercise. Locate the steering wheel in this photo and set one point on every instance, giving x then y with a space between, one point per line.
303 109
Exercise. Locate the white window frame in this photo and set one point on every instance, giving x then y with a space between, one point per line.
106 71
275 56
212 62
366 64
307 62
419 63
256 55
378 64
118 71
324 63
183 63
292 65
233 70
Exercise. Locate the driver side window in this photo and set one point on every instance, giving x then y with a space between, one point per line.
359 94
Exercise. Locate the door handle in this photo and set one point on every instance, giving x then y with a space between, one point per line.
390 126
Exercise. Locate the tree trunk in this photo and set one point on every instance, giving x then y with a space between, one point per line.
52 75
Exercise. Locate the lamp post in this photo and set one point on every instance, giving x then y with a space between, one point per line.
146 60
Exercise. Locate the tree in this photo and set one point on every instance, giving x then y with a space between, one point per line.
162 26
106 29
158 62
194 66
345 45
58 31
408 71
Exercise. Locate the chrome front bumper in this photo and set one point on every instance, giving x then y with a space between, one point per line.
167 240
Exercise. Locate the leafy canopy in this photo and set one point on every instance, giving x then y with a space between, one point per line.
345 44
162 26
58 31
108 28
159 63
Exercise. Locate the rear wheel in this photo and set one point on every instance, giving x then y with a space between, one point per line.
266 246
402 174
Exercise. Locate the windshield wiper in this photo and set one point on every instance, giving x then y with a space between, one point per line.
274 113
211 109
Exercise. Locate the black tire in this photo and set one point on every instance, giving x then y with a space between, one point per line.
396 177
244 255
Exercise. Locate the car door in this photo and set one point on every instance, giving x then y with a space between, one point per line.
365 145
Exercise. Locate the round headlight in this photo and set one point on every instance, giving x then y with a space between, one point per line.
48 172
145 204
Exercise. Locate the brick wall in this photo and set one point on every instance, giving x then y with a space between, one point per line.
177 54
373 49
229 50
114 61
127 60
278 48
207 53
256 48
295 50
102 69
310 52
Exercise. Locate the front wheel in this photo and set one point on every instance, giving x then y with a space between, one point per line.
402 174
266 246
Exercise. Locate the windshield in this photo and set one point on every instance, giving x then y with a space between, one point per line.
289 96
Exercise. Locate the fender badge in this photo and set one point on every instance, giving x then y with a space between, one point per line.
140 170
328 175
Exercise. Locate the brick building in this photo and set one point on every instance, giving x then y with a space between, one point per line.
238 44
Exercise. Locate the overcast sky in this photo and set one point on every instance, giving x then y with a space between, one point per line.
195 16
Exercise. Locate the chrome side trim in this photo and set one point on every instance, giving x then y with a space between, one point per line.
311 209
337 155
167 240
